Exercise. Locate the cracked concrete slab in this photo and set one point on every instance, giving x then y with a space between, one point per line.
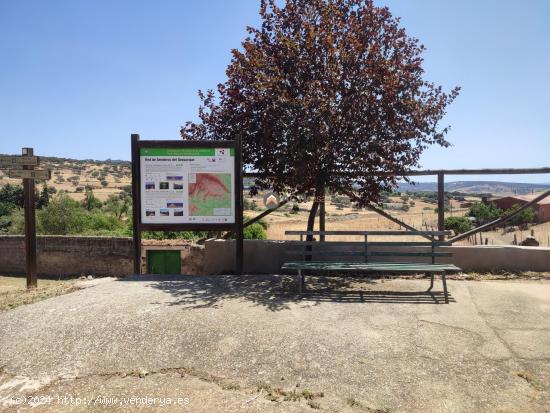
345 345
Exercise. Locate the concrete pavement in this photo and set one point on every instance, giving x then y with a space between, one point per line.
247 344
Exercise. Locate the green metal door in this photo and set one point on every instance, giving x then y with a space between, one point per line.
163 262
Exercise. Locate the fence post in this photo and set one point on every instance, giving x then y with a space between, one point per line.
441 203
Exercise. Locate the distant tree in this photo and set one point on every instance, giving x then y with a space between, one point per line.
117 206
526 216
62 216
44 197
12 194
90 201
104 183
484 213
126 191
458 224
325 93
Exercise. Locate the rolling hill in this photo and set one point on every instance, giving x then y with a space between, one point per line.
111 176
478 187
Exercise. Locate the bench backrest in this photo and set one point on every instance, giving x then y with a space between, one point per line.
307 248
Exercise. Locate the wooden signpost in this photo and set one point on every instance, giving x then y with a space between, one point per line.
30 174
187 186
6 161
27 161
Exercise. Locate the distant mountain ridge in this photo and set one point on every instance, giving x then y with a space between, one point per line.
477 187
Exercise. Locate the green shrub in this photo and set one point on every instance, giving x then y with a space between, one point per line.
255 231
6 211
458 224
187 235
62 216
16 222
250 205
484 213
262 222
90 202
524 217
12 194
6 208
65 216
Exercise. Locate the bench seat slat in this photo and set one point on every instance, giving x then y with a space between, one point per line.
327 253
335 244
428 233
408 244
370 267
369 254
408 254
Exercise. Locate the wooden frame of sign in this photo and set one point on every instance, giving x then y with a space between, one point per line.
143 156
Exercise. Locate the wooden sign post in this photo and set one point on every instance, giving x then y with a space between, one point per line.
30 223
27 161
167 178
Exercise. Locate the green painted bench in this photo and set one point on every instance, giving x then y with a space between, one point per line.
327 256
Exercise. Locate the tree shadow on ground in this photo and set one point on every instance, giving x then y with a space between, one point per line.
276 292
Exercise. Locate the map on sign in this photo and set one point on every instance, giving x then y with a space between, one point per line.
187 185
209 194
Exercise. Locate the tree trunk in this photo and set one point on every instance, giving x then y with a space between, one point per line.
311 219
311 223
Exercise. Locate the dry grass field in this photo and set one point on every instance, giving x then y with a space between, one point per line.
13 291
74 175
421 215
541 232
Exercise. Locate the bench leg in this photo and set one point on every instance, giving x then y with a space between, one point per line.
431 281
444 279
301 281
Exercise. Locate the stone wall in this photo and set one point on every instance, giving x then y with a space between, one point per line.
70 255
268 256
64 255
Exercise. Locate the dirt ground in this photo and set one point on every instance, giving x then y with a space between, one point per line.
228 344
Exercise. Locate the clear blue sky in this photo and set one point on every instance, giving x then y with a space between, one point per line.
77 77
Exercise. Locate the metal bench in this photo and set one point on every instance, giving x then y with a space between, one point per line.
326 256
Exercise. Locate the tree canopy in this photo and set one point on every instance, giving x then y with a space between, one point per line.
323 94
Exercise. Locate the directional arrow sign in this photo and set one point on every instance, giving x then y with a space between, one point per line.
30 173
18 160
